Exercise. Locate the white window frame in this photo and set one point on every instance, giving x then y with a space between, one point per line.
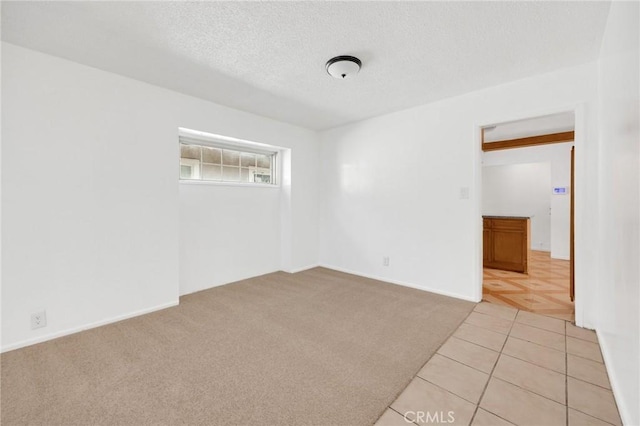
191 163
194 137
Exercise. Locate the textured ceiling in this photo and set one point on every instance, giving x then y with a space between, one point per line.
268 57
554 123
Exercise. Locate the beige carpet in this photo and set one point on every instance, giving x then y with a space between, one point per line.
318 347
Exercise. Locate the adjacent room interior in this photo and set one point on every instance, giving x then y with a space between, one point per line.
527 209
324 213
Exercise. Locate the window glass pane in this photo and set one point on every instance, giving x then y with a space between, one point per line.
210 172
262 176
189 168
211 155
185 172
190 151
248 160
230 174
245 175
231 158
217 163
264 161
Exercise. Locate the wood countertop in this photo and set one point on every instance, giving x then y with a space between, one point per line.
506 217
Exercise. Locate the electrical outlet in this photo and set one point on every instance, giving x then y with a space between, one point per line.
38 320
385 261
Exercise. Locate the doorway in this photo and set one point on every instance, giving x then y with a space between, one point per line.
527 208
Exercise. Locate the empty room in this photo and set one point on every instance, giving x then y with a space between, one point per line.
320 213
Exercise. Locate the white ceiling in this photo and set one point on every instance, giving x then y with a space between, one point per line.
554 123
268 57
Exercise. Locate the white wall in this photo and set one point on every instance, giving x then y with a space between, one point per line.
0 181
227 233
392 184
520 190
91 229
231 232
559 156
619 187
95 226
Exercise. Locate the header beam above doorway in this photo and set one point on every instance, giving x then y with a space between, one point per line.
528 141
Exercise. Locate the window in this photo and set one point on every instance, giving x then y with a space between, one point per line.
213 161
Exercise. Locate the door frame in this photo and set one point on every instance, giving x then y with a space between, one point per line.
580 189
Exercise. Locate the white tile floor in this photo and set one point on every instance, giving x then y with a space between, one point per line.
503 366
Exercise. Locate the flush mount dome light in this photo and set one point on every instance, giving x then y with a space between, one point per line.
343 66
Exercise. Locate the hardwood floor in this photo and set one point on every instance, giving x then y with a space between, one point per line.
545 290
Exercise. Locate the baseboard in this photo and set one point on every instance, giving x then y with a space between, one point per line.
402 283
55 335
304 268
625 416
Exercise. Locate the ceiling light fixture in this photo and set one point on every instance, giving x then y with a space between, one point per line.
343 66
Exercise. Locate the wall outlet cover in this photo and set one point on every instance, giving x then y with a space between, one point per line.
38 320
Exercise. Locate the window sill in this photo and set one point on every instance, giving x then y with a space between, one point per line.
236 184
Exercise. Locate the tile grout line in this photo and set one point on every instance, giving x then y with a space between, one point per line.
500 353
589 383
588 359
509 336
492 370
584 381
535 365
427 361
477 369
436 352
520 338
518 386
527 390
591 343
524 323
477 344
591 416
566 374
531 362
447 390
584 340
537 344
539 328
400 414
460 362
485 328
504 380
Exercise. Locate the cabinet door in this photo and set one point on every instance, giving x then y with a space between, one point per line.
508 250
506 244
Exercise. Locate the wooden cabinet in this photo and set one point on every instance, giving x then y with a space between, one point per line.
506 243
